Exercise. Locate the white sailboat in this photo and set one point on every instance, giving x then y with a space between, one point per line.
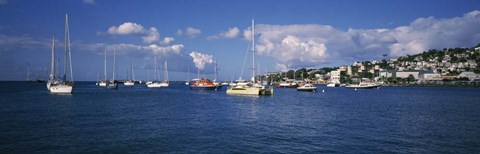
103 83
155 83
188 77
28 73
129 82
251 88
112 84
61 86
164 82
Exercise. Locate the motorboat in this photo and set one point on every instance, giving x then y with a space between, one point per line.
307 87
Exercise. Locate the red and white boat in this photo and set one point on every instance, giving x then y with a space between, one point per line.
204 84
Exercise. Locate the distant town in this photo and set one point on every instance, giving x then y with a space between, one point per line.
449 66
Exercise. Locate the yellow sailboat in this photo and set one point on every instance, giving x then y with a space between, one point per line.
252 87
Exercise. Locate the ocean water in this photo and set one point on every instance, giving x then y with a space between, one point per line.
179 120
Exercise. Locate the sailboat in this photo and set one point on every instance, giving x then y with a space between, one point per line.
41 77
55 85
28 74
103 83
164 82
251 88
215 82
188 78
155 83
112 84
129 82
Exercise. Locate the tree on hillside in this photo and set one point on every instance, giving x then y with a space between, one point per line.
410 78
290 74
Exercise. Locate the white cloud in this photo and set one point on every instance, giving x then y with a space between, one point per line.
167 40
233 32
189 31
313 44
164 49
152 35
200 59
128 28
89 1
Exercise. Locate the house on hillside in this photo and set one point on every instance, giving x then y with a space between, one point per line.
405 74
470 75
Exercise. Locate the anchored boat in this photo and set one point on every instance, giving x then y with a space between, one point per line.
250 88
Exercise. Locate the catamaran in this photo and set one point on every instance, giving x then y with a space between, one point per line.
250 88
61 86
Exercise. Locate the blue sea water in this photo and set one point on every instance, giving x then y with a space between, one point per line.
179 120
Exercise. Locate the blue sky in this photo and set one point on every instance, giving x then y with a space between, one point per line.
192 34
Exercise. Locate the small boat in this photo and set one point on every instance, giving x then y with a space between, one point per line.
204 84
250 88
331 84
153 84
225 84
128 83
103 83
112 85
363 85
61 85
307 87
165 82
287 84
188 78
156 83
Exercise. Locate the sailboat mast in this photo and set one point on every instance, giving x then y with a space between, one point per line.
113 63
155 67
28 72
65 55
105 65
52 66
253 50
133 74
216 73
166 71
69 50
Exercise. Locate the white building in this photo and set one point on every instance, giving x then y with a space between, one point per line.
470 75
432 77
405 74
349 70
386 74
335 76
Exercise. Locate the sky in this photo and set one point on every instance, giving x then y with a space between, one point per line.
193 35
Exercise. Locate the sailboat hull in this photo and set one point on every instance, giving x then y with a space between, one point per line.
129 83
60 89
249 91
153 85
205 87
164 85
